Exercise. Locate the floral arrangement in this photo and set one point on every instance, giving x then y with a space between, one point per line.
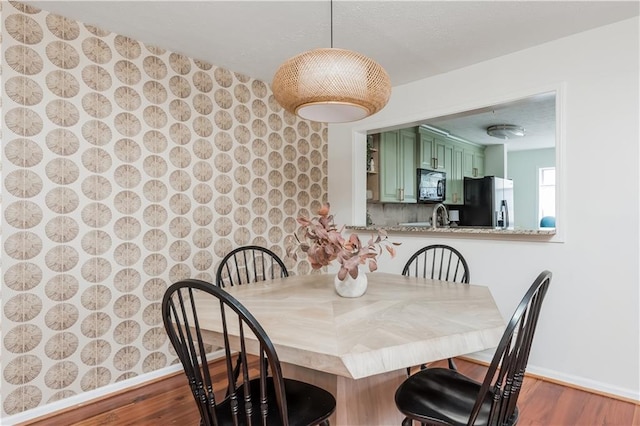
323 243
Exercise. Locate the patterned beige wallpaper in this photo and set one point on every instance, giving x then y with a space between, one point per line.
127 167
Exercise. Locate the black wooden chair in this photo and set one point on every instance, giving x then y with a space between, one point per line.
441 396
249 264
438 262
262 400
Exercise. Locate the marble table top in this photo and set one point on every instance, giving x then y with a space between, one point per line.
398 323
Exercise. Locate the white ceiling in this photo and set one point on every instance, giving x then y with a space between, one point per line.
410 39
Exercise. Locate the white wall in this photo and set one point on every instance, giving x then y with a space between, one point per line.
589 328
523 169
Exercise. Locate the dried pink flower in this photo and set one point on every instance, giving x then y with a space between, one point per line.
323 243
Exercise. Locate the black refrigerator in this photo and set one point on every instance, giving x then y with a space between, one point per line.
488 201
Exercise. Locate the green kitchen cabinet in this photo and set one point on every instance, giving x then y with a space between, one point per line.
432 151
398 166
455 182
473 162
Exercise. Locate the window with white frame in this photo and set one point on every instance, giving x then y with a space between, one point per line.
547 193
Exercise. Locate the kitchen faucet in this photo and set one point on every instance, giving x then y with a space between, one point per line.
434 216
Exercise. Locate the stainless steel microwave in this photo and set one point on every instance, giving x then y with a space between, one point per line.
432 186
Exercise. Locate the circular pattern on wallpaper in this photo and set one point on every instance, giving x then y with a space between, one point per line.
62 200
62 142
202 104
96 132
61 375
154 91
126 332
24 121
22 308
61 316
127 280
155 166
127 150
96 50
154 338
96 77
23 214
23 59
23 276
61 287
23 152
22 369
95 269
96 242
96 324
180 133
22 338
127 47
154 289
223 77
126 358
62 113
62 55
23 245
96 105
62 229
23 90
154 67
22 399
61 345
180 63
61 27
180 86
127 98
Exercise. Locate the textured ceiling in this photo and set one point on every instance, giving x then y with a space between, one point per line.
410 39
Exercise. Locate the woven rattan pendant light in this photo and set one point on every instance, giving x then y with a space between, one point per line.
331 85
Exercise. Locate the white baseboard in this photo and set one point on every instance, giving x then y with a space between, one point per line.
86 397
571 380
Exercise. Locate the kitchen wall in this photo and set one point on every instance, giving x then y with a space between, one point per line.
523 169
127 167
589 332
392 214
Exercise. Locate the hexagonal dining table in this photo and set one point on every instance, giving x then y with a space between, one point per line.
359 348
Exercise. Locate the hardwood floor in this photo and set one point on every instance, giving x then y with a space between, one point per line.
169 402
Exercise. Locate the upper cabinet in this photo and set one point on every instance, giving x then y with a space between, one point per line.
398 166
456 158
432 151
473 161
401 152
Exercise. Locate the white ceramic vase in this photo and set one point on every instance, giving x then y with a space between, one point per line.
350 287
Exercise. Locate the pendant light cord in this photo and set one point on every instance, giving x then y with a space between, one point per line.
331 9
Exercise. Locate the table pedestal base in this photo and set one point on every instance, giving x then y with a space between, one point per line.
368 401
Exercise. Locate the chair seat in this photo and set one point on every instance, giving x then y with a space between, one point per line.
443 397
306 404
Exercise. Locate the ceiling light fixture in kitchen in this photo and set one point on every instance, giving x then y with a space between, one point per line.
331 85
505 131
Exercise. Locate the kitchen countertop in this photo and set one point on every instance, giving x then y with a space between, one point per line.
458 230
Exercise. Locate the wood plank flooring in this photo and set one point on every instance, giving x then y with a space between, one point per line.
169 402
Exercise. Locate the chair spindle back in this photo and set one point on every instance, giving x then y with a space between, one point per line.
249 264
438 262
